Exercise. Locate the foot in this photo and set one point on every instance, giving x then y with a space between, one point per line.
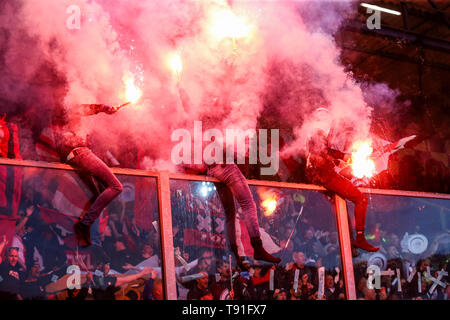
362 243
238 258
83 234
260 253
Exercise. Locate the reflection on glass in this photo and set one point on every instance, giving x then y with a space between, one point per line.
297 226
39 252
414 239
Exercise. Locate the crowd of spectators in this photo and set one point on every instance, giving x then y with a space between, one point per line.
123 262
313 244
418 273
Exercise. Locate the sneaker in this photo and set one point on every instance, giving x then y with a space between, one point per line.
83 234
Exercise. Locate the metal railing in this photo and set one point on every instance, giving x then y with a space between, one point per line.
165 214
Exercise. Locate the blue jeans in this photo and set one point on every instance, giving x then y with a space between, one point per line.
90 167
235 182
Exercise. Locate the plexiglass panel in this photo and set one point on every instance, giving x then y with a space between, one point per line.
38 209
299 226
414 240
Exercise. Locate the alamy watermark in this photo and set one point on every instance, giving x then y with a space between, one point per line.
238 143
374 20
74 19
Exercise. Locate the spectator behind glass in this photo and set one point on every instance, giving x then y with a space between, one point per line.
298 264
33 288
331 292
280 294
201 290
106 284
147 253
121 259
218 287
204 264
307 289
11 274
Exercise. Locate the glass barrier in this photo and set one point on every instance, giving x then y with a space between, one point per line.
298 226
414 239
40 256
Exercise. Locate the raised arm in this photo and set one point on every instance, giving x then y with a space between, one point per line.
3 244
91 109
132 277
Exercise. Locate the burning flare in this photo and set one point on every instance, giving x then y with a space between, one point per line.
132 92
176 64
361 162
270 205
225 24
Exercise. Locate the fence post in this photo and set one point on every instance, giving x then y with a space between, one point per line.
345 244
165 218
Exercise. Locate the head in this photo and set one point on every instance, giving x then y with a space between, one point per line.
106 268
282 295
35 271
362 283
13 256
329 281
107 232
299 258
205 260
424 264
119 245
333 237
317 142
393 252
309 234
370 294
202 283
224 270
305 278
395 241
147 249
157 290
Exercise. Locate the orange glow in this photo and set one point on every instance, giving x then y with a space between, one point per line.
132 92
361 163
269 199
270 205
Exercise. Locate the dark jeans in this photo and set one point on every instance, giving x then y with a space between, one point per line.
90 167
235 185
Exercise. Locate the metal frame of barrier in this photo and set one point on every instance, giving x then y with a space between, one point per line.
163 183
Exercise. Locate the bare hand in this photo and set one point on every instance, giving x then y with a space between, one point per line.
30 210
127 266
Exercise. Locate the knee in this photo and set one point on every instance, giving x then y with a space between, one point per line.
117 187
248 204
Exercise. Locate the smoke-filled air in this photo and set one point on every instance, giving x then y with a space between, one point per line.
225 63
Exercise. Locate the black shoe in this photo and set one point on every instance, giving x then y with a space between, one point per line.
83 234
260 253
